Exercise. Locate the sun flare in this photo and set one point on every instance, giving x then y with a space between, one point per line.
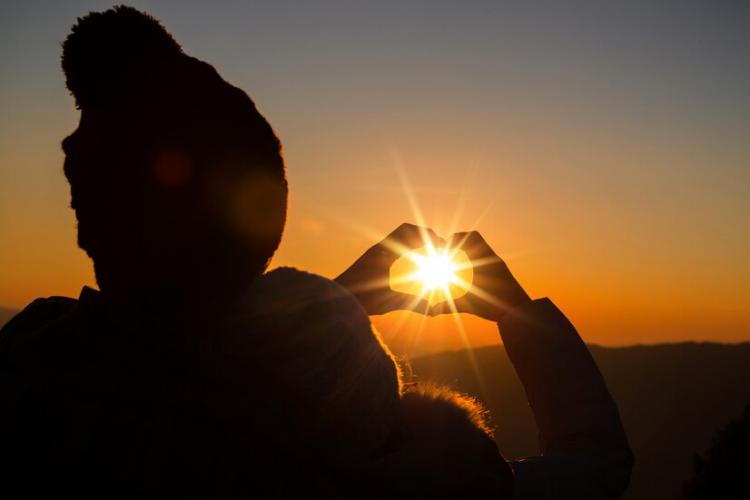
433 274
435 271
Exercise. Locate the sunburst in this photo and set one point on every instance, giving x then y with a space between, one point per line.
433 274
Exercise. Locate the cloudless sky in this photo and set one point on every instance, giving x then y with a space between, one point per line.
602 147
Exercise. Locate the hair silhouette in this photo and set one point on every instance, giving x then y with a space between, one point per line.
177 180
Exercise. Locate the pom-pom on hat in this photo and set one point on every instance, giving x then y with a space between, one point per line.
124 62
107 53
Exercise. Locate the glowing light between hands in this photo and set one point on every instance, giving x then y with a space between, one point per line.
435 271
433 274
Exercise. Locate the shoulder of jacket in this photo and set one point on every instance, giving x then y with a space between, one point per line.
39 315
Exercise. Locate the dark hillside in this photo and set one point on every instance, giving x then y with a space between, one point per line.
672 398
6 315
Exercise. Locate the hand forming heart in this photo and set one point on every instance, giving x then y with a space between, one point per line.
369 277
493 290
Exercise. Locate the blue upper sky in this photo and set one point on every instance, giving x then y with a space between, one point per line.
604 133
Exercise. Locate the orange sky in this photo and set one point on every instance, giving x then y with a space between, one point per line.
615 183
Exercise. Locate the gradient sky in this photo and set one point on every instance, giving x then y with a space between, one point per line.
603 148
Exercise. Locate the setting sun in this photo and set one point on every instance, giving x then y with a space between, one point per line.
434 274
435 271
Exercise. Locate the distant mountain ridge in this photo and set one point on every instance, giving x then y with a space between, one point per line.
6 314
672 398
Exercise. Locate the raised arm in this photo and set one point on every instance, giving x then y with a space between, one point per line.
584 453
584 450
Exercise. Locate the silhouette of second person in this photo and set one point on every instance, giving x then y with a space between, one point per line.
193 373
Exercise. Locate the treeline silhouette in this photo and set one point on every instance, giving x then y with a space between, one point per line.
721 472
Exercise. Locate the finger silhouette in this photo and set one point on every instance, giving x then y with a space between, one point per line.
462 304
407 302
473 244
479 253
409 237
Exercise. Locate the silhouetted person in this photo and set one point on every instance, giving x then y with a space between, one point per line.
193 374
178 186
177 181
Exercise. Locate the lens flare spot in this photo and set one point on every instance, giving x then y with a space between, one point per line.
435 274
435 271
172 167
